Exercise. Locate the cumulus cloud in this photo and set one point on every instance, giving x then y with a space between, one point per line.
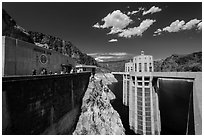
115 20
177 26
192 23
144 25
199 26
157 32
118 23
152 10
113 40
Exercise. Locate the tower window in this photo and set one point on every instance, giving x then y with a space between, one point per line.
139 83
148 128
139 103
147 104
148 118
139 98
148 114
147 109
147 99
140 132
139 113
146 78
139 108
135 66
139 78
146 83
150 69
140 67
139 117
140 122
140 127
145 67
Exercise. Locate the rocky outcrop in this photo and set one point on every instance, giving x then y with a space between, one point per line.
98 116
180 63
11 29
107 78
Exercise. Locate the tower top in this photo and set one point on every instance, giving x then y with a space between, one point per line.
142 52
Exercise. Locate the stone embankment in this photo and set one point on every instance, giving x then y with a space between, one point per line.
98 116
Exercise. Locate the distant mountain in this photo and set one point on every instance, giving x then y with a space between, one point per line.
111 56
117 66
11 29
175 63
181 63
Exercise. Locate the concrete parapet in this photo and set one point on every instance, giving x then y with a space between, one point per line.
42 104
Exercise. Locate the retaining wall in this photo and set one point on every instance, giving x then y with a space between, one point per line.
42 104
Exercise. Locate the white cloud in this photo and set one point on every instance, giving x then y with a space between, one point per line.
108 54
157 32
92 54
152 10
113 40
133 12
97 25
117 53
175 26
114 31
104 57
116 21
199 26
192 23
101 57
144 25
99 60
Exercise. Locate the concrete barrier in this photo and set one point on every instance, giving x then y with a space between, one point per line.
42 104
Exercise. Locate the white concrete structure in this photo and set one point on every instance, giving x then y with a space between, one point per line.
134 77
129 66
138 94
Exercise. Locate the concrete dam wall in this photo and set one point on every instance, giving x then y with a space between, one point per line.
42 104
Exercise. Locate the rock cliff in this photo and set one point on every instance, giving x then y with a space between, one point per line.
98 116
11 29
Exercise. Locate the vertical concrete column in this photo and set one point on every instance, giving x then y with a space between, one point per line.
3 54
130 103
152 108
136 121
197 104
124 90
72 91
143 104
16 57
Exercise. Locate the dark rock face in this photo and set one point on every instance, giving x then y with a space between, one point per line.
181 63
11 29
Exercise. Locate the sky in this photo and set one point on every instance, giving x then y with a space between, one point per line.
116 29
